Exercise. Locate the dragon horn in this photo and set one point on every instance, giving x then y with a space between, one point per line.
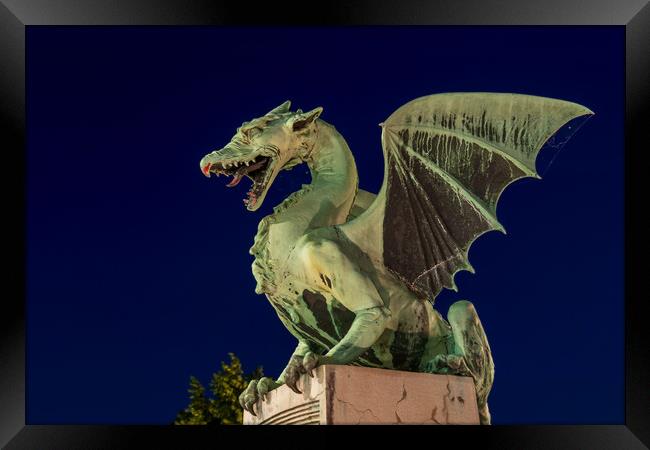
283 108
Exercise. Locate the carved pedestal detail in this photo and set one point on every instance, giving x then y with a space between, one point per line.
360 395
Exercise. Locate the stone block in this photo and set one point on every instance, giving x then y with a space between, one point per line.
349 395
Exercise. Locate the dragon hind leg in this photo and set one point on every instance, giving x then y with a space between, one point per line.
469 354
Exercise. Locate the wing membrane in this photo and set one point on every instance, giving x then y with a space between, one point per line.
448 159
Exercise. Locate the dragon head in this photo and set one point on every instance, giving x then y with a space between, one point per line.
262 147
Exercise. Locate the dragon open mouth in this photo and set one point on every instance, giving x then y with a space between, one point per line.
256 169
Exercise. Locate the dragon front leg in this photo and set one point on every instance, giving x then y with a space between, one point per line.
367 327
327 269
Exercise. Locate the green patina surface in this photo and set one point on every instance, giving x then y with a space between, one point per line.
353 275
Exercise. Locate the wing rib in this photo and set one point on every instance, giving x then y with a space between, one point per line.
448 158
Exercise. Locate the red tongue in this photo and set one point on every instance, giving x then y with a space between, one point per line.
235 180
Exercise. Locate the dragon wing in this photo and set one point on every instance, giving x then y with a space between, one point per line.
448 158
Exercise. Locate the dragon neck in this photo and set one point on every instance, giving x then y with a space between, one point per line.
328 198
326 201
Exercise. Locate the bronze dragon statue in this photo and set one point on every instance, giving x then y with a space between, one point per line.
353 275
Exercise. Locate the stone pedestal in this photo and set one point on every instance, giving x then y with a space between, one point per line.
360 395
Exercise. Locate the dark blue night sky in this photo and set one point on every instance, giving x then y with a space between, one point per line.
138 269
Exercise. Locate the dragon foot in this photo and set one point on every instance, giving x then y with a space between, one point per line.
297 366
256 390
448 365
292 373
300 365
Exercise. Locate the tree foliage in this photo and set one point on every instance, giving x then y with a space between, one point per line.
221 405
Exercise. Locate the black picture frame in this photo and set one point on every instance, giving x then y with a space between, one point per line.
16 15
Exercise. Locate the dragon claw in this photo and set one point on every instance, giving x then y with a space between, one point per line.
255 391
293 371
264 386
448 364
249 397
309 362
292 382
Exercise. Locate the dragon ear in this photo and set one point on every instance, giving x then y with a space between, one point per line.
283 108
302 120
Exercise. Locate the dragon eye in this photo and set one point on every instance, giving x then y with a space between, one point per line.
251 132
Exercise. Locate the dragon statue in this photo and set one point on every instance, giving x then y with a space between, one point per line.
353 275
